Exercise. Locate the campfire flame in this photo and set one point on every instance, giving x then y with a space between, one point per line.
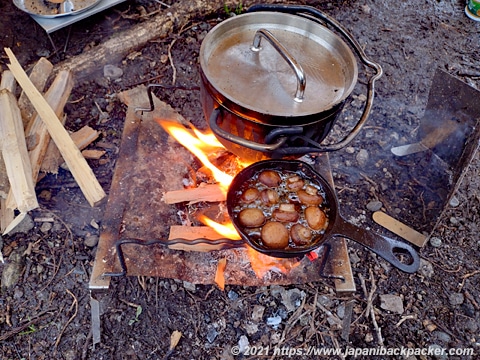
200 144
227 230
192 140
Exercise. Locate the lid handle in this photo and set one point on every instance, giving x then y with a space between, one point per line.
296 67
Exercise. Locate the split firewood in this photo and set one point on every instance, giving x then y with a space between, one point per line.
8 82
194 233
76 163
38 76
93 154
6 215
82 138
36 132
15 153
208 192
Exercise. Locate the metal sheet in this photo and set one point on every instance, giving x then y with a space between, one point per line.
135 209
51 10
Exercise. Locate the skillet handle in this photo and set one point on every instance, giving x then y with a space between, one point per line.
381 245
313 14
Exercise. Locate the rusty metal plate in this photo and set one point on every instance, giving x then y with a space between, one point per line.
149 164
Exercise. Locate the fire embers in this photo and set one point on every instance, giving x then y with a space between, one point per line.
281 209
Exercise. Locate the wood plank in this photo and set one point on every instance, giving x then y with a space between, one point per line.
399 228
209 192
15 153
77 164
38 76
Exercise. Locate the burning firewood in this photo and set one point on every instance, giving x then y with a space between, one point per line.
206 192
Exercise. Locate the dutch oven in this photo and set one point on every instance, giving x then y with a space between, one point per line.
275 79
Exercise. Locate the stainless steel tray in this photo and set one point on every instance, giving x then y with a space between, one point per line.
46 9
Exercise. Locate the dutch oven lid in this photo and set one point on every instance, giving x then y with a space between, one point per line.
268 81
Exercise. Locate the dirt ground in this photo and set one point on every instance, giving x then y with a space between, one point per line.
45 307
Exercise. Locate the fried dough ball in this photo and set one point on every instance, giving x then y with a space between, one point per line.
251 217
286 213
269 196
300 234
270 178
275 235
310 196
250 195
295 183
315 217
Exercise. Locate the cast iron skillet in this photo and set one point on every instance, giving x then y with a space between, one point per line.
382 245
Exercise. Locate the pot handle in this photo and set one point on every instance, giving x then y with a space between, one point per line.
296 67
318 16
294 130
381 245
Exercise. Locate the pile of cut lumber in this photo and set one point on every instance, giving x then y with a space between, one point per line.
27 125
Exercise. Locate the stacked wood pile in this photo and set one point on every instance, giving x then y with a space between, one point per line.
27 125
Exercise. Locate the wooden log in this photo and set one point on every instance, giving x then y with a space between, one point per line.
196 232
77 164
82 138
116 47
209 192
38 76
15 153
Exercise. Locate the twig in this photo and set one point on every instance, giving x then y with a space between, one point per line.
472 299
169 51
466 276
406 317
20 328
74 303
372 311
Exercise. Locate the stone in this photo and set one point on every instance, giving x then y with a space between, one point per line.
456 299
211 334
24 226
426 268
91 241
113 72
13 268
374 205
257 313
243 344
362 157
392 303
189 286
435 242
